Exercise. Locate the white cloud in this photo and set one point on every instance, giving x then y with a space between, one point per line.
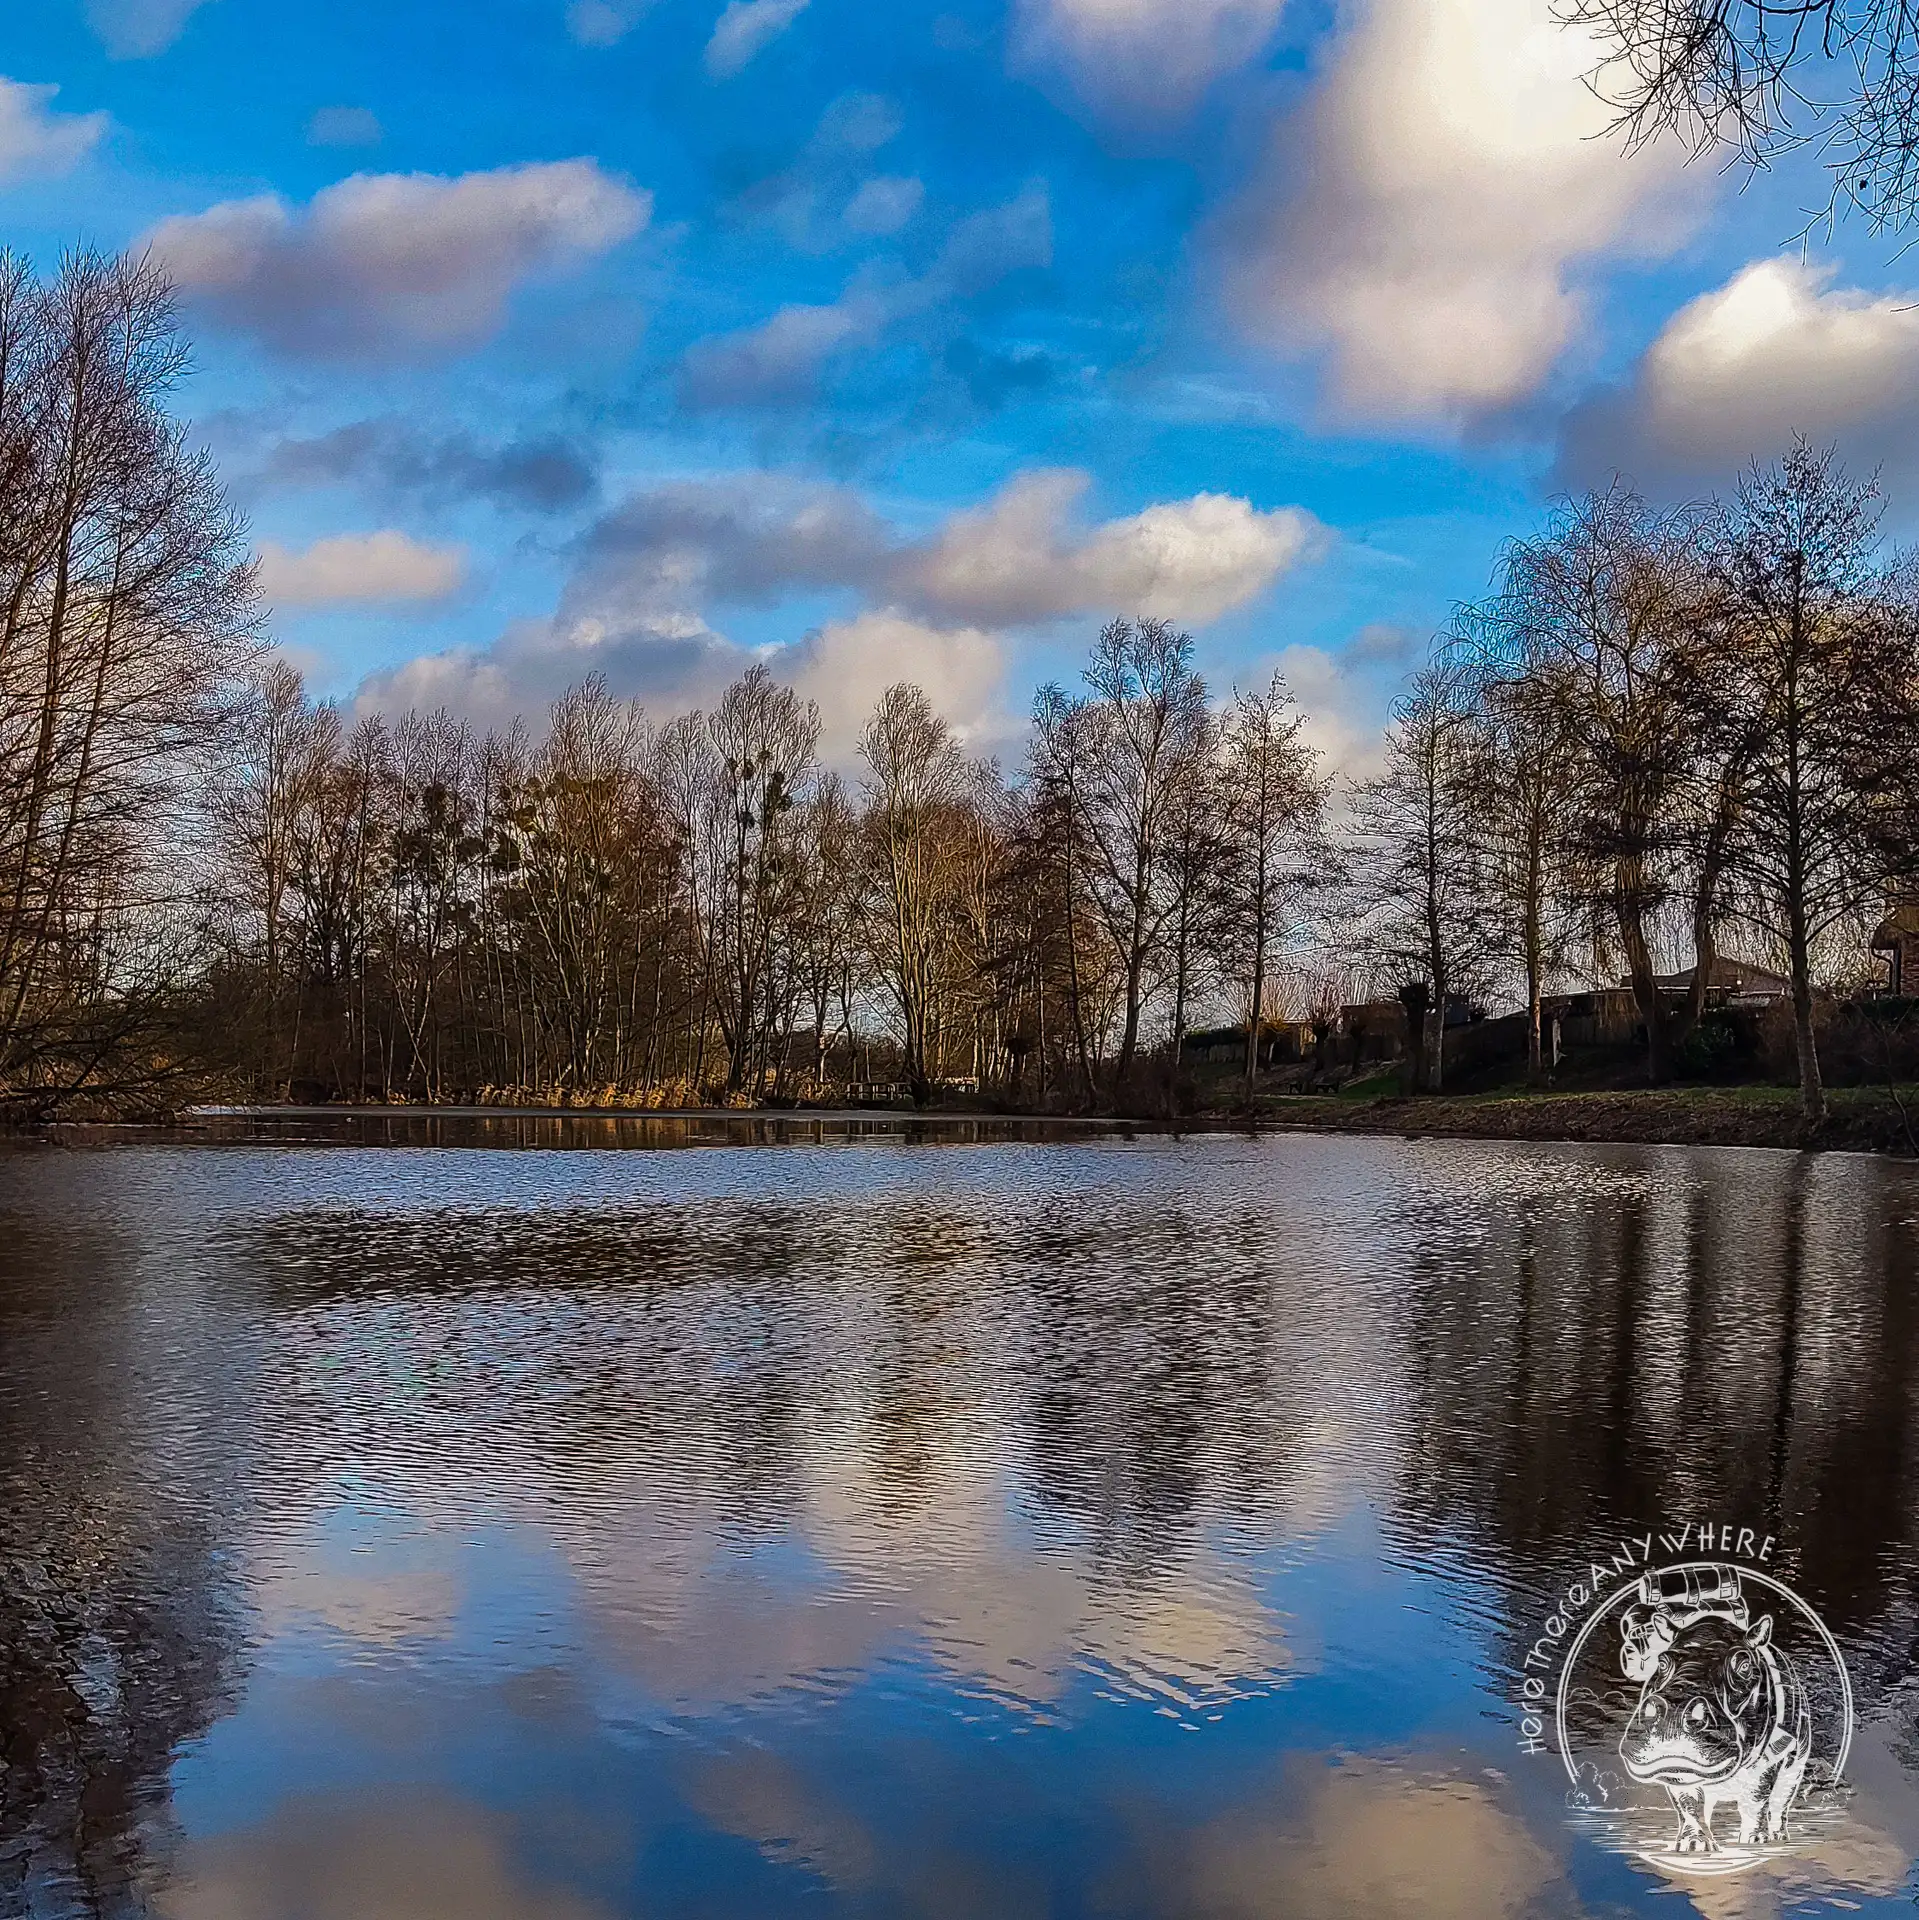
358 569
985 247
661 558
1020 558
827 194
345 127
783 358
534 661
1025 558
1152 56
1344 710
845 666
655 574
396 263
35 140
744 28
1736 373
602 23
138 29
1424 218
841 667
857 123
883 204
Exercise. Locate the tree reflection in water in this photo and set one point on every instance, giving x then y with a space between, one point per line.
116 1626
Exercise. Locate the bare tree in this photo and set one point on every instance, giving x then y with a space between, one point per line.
126 608
829 944
1765 77
594 866
1119 753
1527 776
1195 849
1609 600
283 754
916 779
762 744
1056 859
1418 873
340 840
1816 663
1274 801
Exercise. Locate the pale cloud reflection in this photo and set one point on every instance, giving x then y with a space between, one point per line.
1839 1858
404 1856
1836 1871
944 1576
764 1799
1373 1840
1023 1623
387 1607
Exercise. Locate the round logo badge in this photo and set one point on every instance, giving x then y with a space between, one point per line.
1702 1711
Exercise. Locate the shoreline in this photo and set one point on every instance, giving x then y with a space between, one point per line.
753 1115
1859 1120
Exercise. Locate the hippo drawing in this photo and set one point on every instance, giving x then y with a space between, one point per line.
1722 1716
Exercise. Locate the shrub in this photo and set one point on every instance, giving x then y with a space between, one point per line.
1712 1050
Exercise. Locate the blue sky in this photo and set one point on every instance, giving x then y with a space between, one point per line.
909 341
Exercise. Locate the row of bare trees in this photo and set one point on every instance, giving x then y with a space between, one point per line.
126 606
697 908
1661 732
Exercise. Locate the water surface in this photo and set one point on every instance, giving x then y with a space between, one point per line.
412 1521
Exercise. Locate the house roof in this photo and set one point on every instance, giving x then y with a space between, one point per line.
1901 924
1729 973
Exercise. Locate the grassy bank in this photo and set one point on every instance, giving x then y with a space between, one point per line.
1862 1120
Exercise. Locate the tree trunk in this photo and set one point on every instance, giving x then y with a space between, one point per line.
1812 1091
1645 992
1535 1036
1129 1036
1535 971
1414 997
1252 1017
1073 989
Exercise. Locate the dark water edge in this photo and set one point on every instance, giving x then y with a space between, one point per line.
507 1128
1083 1525
1859 1121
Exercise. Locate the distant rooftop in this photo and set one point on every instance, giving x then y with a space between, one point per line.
1729 975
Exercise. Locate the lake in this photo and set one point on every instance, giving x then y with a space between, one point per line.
517 1520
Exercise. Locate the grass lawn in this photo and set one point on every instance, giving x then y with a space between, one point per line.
1859 1118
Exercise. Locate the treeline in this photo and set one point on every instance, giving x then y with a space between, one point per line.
1661 731
126 610
699 909
1661 734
